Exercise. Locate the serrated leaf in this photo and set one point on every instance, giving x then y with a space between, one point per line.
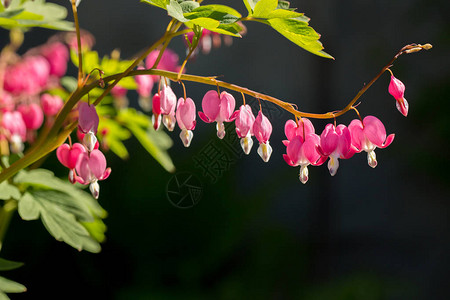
8 191
28 208
9 286
264 7
6 265
188 6
299 33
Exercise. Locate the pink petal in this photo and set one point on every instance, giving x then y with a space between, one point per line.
288 160
388 141
83 169
294 150
357 134
168 100
156 104
329 140
262 128
396 88
32 115
87 118
374 130
227 105
204 117
97 163
290 129
244 120
345 140
186 114
210 106
310 147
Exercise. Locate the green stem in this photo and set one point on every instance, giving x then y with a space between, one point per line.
6 213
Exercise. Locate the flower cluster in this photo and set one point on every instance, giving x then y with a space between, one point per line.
24 98
304 147
86 163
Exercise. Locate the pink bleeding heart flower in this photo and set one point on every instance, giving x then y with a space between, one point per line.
368 135
32 115
156 108
57 56
51 104
186 119
168 101
335 143
91 167
262 129
397 90
302 147
87 118
244 127
82 138
119 91
16 129
68 156
169 61
218 108
144 84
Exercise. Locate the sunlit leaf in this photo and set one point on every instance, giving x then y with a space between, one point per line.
9 286
8 191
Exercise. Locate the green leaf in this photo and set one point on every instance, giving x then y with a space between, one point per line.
9 286
283 4
8 191
299 33
63 208
6 265
188 6
175 10
116 134
284 14
142 129
69 83
158 3
36 13
28 208
264 7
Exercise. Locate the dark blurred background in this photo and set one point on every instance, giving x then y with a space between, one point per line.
257 232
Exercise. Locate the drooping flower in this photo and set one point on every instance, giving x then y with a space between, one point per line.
91 167
168 101
68 156
368 135
51 104
57 56
244 127
262 129
87 118
301 147
218 108
186 119
397 90
169 61
156 109
335 143
32 115
15 128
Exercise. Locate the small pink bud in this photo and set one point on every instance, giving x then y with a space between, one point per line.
51 105
87 118
397 90
262 129
32 115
